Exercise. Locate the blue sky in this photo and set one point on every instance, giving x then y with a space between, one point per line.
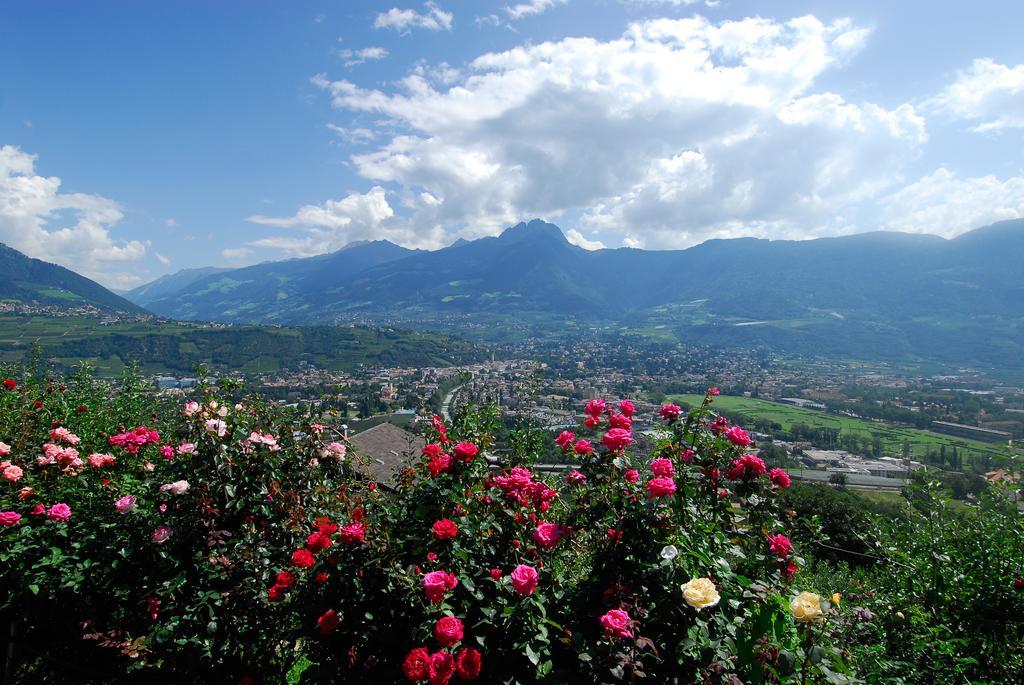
137 139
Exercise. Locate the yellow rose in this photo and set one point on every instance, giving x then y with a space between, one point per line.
836 598
700 593
806 607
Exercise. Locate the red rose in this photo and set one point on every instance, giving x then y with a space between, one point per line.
780 478
442 463
353 533
417 664
10 384
276 593
631 475
303 558
448 631
564 439
328 623
318 542
321 578
465 451
445 529
437 583
496 573
1018 584
285 579
467 664
442 667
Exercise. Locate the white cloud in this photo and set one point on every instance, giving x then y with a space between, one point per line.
335 223
989 93
527 9
577 238
359 136
70 229
677 131
943 204
402 20
354 57
236 254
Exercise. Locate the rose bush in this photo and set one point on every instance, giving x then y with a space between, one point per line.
223 539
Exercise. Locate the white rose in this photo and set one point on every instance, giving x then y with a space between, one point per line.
176 488
700 593
806 607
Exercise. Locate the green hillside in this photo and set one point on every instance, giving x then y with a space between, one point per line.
892 436
165 347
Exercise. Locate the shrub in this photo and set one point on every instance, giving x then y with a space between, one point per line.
225 539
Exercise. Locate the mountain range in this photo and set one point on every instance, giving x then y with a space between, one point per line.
873 295
32 281
881 295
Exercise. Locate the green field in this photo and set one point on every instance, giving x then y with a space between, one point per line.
892 437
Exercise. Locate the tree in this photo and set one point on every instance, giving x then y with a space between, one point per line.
838 479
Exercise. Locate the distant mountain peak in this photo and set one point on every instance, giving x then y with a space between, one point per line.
535 229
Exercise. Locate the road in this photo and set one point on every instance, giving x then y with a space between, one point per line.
448 403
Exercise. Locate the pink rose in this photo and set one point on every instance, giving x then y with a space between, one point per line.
5 449
524 579
13 473
617 623
179 487
59 512
575 477
437 584
616 439
547 535
167 452
627 408
661 487
9 518
738 436
631 475
583 447
125 504
663 467
161 535
564 439
620 421
596 407
190 408
779 545
186 448
670 412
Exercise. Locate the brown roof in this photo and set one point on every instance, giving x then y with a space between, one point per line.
1003 475
384 451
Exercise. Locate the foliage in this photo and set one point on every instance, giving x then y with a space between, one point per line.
228 540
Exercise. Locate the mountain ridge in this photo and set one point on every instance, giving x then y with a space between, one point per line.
34 281
886 293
